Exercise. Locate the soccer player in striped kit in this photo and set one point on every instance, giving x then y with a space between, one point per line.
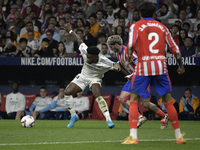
151 37
115 43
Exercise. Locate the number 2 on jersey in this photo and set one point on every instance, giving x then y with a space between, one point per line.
154 42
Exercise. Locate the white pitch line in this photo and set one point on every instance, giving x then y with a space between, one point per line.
82 142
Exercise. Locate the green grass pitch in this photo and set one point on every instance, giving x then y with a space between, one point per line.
94 135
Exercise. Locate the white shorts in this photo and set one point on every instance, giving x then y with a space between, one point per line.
83 81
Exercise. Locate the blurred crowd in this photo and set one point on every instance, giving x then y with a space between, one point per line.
36 28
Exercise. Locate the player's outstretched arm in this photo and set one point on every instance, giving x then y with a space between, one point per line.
68 28
181 68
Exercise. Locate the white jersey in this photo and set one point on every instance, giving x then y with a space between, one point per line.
81 104
41 103
60 102
15 102
33 44
95 69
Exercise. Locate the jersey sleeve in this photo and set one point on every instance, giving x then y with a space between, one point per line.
107 62
173 47
83 49
133 34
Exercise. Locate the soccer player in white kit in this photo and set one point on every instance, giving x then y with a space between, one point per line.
95 65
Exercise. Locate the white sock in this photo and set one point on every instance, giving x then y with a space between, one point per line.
140 116
70 104
133 133
103 107
178 133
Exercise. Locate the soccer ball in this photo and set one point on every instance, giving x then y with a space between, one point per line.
27 121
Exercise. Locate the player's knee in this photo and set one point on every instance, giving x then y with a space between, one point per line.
121 100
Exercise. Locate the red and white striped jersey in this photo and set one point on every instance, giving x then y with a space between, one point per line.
151 37
122 58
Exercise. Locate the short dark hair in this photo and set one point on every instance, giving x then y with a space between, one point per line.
189 38
49 11
79 30
80 11
15 82
93 50
45 40
76 2
104 45
147 9
33 11
68 12
53 17
93 15
188 89
174 25
23 40
43 87
109 4
62 87
51 31
101 35
29 22
187 24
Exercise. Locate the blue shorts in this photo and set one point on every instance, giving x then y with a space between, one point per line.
127 88
161 83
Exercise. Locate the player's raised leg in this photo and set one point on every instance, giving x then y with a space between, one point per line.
152 107
96 90
70 90
124 95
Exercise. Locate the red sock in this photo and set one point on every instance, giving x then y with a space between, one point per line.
160 113
133 115
173 117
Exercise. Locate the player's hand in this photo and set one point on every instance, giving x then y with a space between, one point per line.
181 69
127 63
53 109
129 77
68 27
117 67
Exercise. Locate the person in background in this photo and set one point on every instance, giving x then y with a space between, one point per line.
174 31
102 40
81 105
61 51
88 39
58 107
163 108
44 50
104 50
35 20
182 36
41 104
19 22
189 49
15 103
9 48
186 26
22 49
188 105
32 43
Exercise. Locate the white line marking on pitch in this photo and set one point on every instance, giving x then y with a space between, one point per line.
82 142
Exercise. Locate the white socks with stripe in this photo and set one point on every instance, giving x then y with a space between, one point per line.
103 107
70 104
